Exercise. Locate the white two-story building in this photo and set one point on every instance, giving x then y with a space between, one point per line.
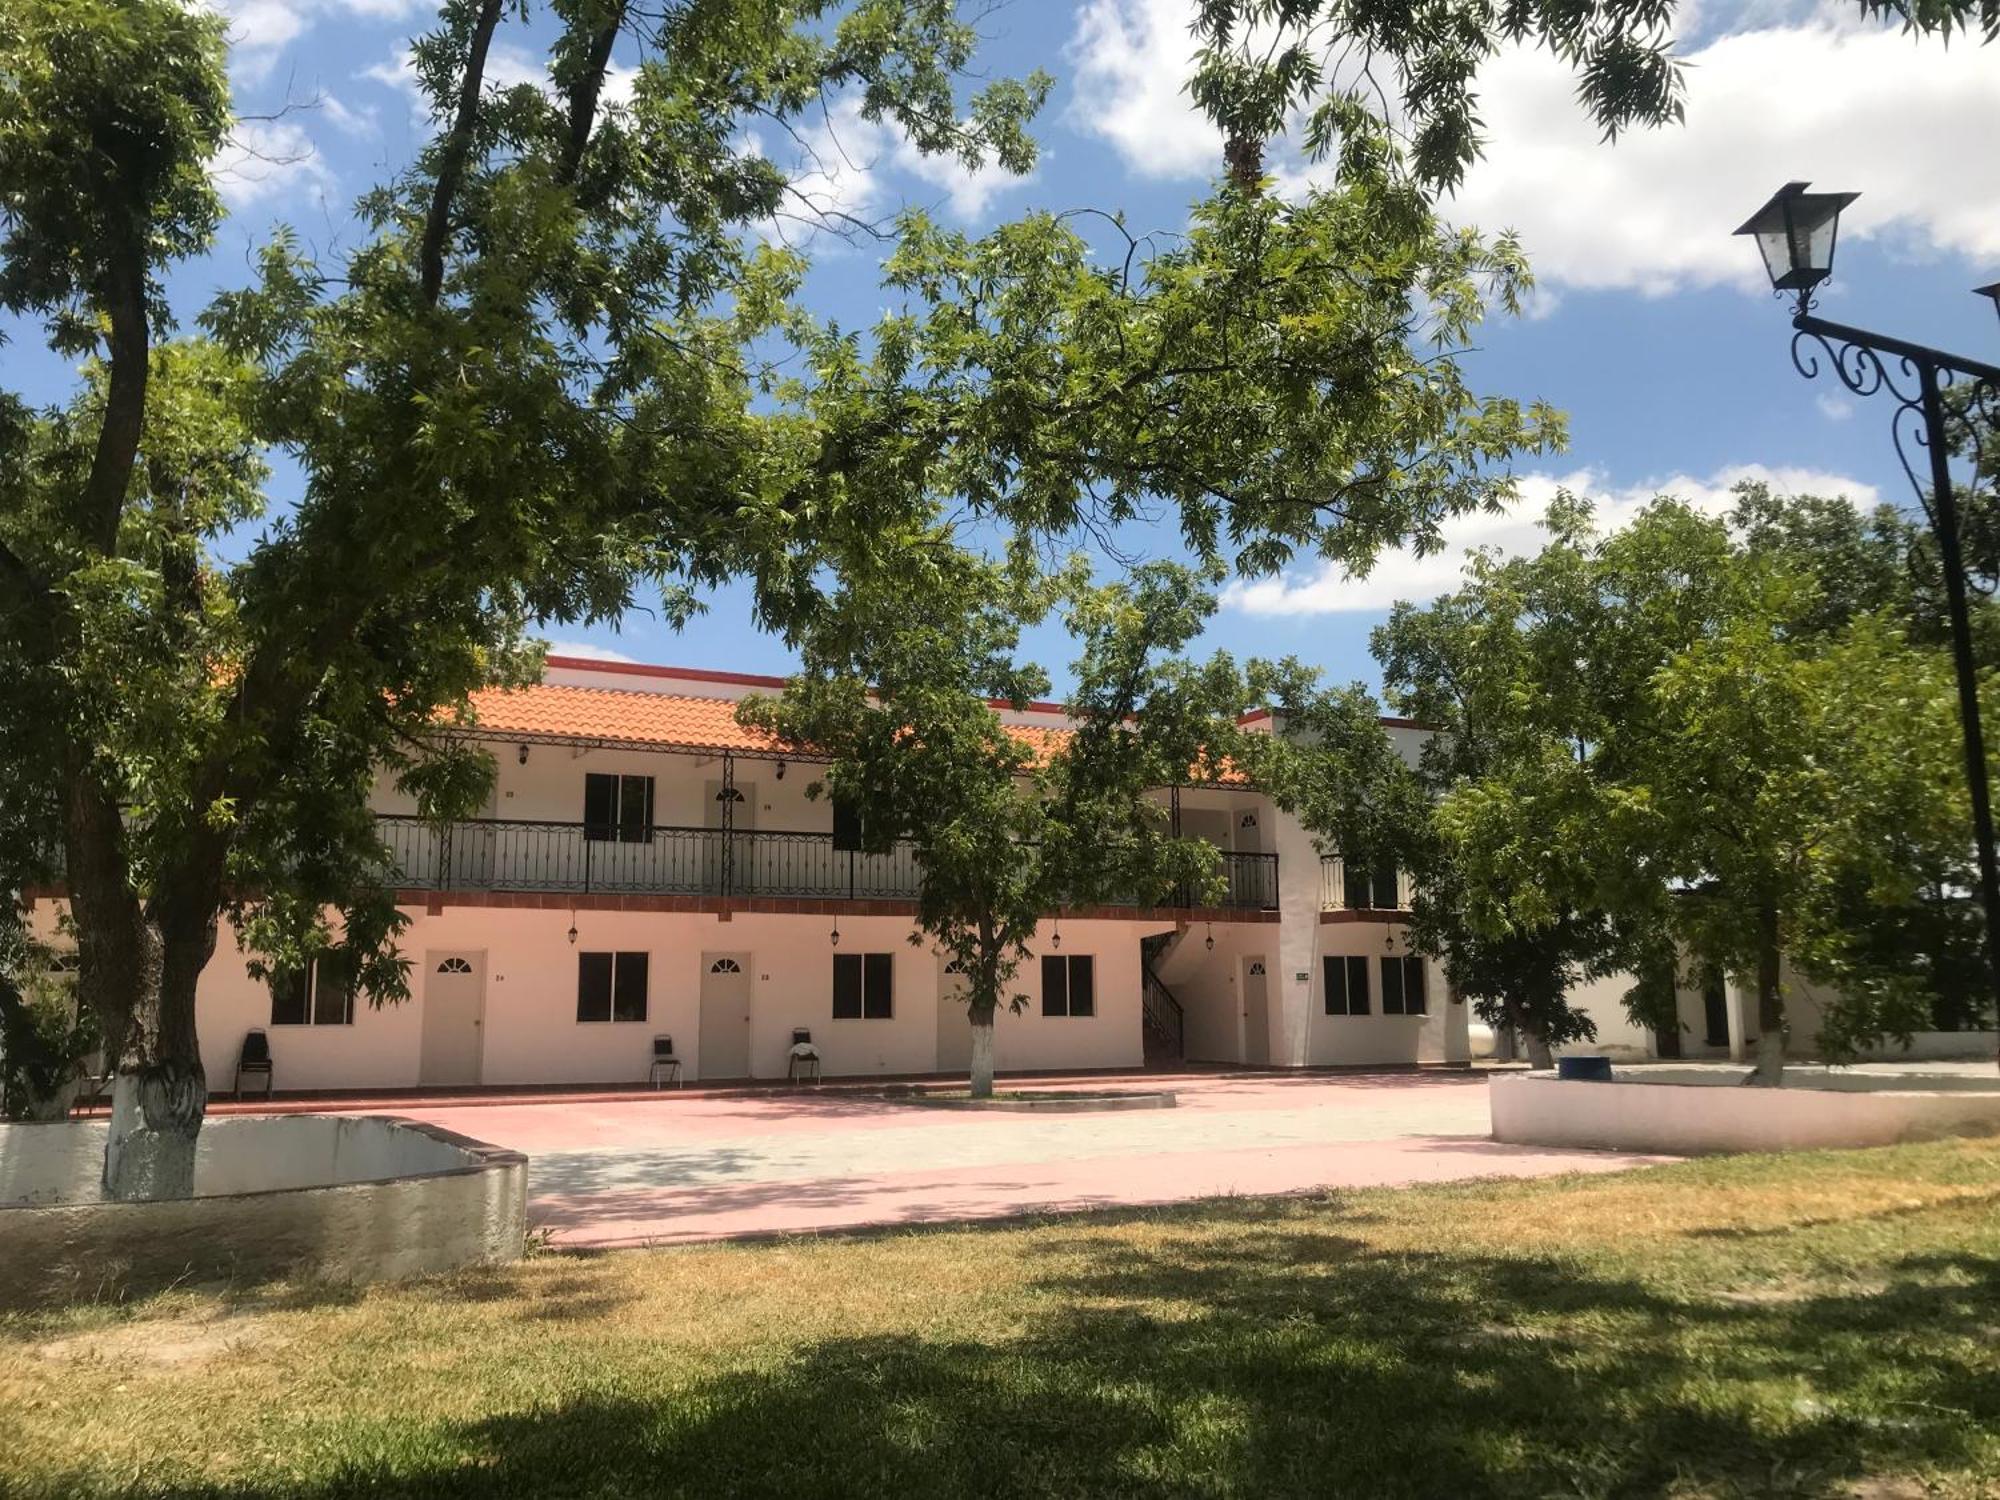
649 868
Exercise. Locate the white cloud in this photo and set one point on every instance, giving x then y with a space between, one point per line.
969 191
1403 575
265 159
507 66
1834 408
1132 61
1819 96
584 650
260 29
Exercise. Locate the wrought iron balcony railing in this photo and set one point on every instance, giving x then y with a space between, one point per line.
513 855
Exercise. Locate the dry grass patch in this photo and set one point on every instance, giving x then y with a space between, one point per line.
1808 1325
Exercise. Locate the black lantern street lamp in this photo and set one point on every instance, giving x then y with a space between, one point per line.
1797 231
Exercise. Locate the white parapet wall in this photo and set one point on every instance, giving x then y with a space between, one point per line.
302 1197
1696 1117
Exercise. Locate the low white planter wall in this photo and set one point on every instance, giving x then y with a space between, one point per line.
304 1196
1691 1119
1939 1046
63 1162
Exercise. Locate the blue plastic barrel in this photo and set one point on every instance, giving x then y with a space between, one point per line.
1584 1069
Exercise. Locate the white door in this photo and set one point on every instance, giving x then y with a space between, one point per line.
1256 1013
725 1016
454 1018
954 1029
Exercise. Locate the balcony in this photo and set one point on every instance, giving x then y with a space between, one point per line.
511 855
1361 890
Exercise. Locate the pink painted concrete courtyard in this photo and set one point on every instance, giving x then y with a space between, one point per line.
669 1170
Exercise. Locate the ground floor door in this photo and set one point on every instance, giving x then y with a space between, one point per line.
725 1016
1715 1012
454 1018
954 1030
1256 1013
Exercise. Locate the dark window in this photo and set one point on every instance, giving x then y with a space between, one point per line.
318 995
628 987
847 986
1403 986
878 982
1346 984
864 986
1355 879
617 808
1370 887
291 997
1715 1010
333 993
1386 897
1069 984
611 986
846 825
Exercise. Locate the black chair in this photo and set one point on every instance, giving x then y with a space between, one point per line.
804 1061
664 1060
253 1059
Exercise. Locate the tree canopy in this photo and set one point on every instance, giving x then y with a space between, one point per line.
1717 738
903 692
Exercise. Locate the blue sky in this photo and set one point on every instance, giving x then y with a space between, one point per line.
1653 328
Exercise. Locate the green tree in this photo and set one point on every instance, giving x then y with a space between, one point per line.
555 369
1702 744
529 390
1009 829
1478 665
1365 81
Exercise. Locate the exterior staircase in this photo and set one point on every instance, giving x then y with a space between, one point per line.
1165 1022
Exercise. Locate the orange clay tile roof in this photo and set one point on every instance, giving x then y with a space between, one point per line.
655 720
616 716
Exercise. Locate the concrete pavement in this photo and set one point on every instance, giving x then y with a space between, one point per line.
679 1170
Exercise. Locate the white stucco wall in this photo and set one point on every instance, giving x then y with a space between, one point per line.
530 1035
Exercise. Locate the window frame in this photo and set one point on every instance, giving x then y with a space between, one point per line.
864 987
1352 969
847 827
629 790
1406 967
620 968
1069 965
312 988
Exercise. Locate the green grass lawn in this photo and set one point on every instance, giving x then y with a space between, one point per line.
1813 1325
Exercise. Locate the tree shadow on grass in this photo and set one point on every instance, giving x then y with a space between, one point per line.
1282 1359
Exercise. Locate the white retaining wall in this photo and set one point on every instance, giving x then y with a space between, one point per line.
62 1162
471 1210
1695 1118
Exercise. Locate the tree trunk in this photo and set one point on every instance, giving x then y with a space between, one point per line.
982 1049
1770 1071
156 1112
1531 1040
161 1093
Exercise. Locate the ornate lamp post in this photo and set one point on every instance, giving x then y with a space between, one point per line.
1797 231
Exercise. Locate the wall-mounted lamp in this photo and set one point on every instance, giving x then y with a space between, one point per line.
1055 938
1210 944
524 755
1389 939
572 929
781 771
834 936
